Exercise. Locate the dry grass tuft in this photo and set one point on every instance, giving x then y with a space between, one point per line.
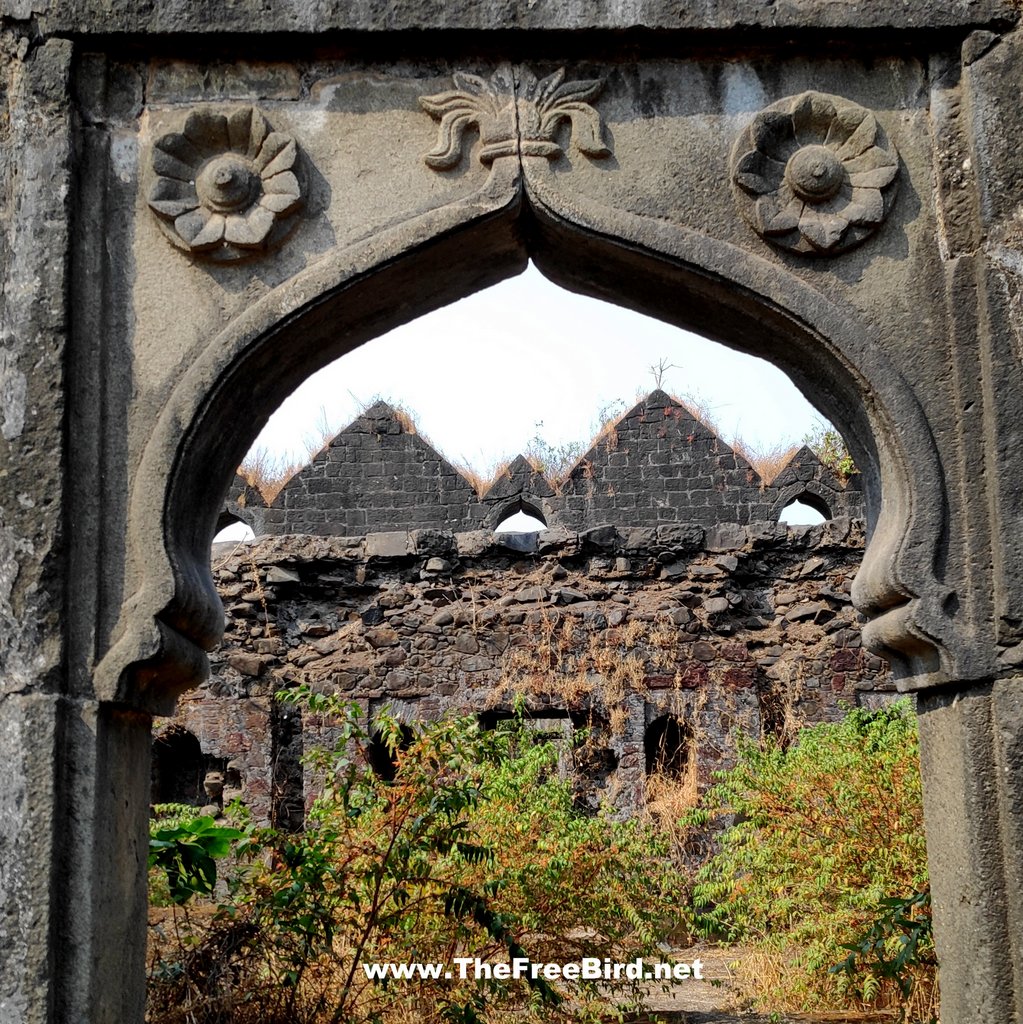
763 969
405 418
768 462
483 480
669 798
266 473
269 474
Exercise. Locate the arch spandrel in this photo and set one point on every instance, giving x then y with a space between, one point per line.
522 137
173 613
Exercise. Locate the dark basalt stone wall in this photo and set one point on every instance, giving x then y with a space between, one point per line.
733 631
656 464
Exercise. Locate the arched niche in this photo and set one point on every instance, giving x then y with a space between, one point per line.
808 495
520 506
682 277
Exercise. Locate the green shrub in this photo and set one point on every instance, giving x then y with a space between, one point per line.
820 835
829 446
892 949
185 848
474 849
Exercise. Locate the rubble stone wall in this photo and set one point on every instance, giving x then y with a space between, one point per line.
734 629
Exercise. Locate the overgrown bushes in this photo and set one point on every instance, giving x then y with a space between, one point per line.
825 853
474 850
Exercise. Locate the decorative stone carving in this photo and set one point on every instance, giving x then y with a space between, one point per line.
213 784
815 174
514 122
226 186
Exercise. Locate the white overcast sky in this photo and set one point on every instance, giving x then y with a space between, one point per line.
480 374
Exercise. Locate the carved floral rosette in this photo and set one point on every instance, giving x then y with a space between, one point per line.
814 174
227 186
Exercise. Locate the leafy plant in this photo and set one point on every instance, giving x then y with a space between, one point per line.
829 446
473 849
898 943
554 461
815 838
186 851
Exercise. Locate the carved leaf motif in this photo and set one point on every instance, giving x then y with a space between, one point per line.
877 178
490 106
453 127
457 110
473 85
757 173
445 102
576 92
543 90
587 130
211 233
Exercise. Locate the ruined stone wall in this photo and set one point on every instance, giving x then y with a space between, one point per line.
731 630
659 464
656 464
376 474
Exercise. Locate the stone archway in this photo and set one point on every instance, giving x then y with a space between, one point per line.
651 174
340 303
686 278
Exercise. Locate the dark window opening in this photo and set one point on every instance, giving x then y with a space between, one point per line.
178 768
383 762
667 743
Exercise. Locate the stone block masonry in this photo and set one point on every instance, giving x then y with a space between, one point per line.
656 464
149 320
733 630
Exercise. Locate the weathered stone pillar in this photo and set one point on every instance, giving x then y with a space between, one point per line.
972 760
35 176
102 855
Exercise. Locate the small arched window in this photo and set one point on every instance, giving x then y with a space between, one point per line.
230 528
806 509
522 517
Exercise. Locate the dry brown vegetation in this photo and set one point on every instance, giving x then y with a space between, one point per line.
554 663
483 480
767 461
267 473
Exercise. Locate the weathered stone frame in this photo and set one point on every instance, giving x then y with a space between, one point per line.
76 740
